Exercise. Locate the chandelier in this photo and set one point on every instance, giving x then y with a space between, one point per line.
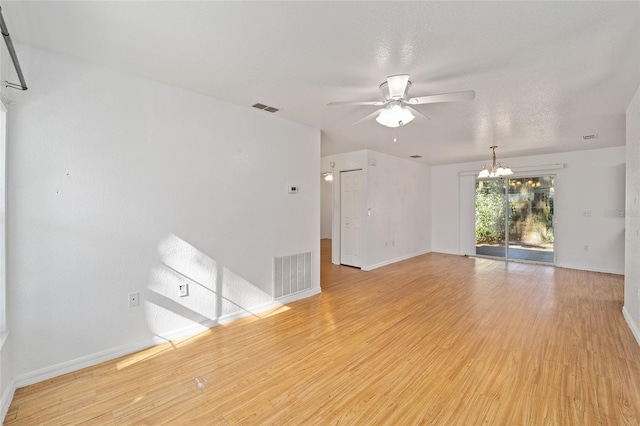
497 169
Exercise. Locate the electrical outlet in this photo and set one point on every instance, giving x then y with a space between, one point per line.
134 299
184 290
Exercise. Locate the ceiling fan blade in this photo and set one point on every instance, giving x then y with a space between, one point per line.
416 112
370 116
397 85
376 103
444 97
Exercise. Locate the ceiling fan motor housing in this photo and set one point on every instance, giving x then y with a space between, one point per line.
384 88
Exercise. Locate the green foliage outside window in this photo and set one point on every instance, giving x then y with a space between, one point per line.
530 211
490 207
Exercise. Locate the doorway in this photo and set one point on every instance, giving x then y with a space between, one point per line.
326 205
514 219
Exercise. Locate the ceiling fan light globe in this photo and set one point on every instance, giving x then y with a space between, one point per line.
407 116
383 117
396 111
394 116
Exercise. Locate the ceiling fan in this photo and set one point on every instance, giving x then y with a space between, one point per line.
396 108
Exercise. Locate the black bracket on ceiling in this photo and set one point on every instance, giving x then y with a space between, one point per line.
14 57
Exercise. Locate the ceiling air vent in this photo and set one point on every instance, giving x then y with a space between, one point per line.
589 137
416 156
265 107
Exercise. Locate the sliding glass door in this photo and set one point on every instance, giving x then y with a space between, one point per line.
531 219
491 204
514 218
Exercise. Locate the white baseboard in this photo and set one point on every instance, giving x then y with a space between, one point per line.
590 269
299 296
108 355
268 306
7 397
83 362
558 264
113 353
397 259
181 333
631 323
455 253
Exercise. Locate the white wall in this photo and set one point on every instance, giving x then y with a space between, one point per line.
396 206
591 180
117 185
7 384
398 199
632 237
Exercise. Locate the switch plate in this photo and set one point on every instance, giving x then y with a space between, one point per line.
293 189
134 299
184 290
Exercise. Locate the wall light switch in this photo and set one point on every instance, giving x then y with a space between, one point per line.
293 189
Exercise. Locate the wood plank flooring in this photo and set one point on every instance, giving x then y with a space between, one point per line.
437 339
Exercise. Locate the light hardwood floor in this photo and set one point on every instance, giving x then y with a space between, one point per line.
437 339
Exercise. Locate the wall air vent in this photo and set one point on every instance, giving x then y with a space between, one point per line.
291 274
265 107
589 137
415 156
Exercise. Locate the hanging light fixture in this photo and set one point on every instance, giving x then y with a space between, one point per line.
497 169
395 115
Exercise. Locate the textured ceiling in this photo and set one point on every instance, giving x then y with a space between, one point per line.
545 73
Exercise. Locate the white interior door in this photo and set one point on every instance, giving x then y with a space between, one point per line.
350 203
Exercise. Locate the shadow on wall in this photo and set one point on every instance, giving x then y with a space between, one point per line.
214 292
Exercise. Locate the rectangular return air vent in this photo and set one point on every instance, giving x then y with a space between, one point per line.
265 107
291 274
